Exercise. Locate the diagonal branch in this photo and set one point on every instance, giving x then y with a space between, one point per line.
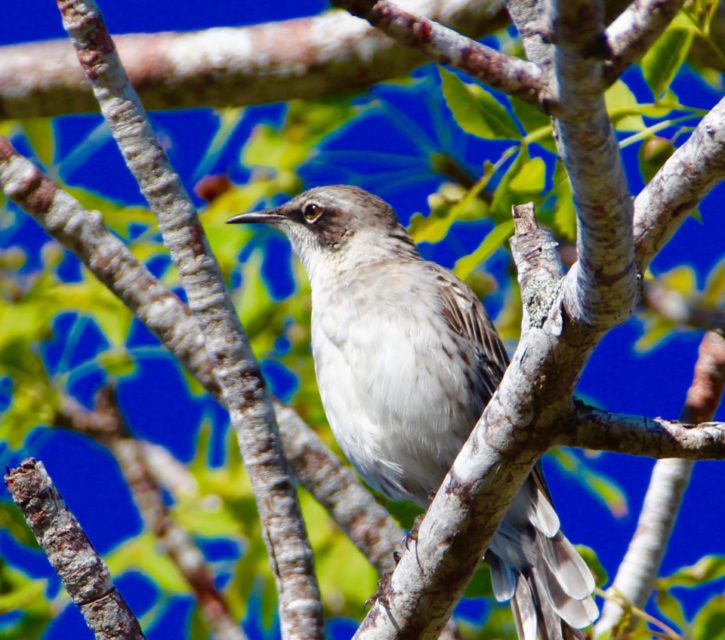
687 176
641 564
353 507
82 571
634 31
503 72
106 425
237 372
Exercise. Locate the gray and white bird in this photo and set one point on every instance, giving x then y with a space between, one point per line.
406 360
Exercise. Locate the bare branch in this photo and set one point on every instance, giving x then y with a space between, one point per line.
169 320
601 288
446 46
640 436
641 564
81 570
236 370
106 425
634 31
695 168
226 67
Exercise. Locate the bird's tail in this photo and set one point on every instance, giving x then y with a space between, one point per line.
538 569
553 597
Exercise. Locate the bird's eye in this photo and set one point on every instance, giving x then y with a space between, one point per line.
312 211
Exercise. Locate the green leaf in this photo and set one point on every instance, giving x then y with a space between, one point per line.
706 569
465 266
623 108
450 204
594 564
710 620
12 521
529 116
117 363
662 62
714 294
475 110
17 591
672 608
480 585
530 178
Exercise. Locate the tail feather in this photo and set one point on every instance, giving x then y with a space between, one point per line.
538 569
525 610
571 572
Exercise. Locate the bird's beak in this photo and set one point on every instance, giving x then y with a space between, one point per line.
267 216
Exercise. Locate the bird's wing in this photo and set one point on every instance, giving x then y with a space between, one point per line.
465 315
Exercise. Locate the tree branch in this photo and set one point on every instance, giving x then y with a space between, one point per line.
641 564
503 72
225 67
689 173
81 570
106 425
634 31
601 288
653 437
237 372
169 320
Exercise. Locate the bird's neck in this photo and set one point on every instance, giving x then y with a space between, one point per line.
364 250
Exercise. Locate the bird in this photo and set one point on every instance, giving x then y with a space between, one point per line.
406 360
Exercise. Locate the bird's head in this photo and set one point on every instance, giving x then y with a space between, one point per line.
326 220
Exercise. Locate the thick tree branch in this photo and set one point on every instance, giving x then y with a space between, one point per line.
237 372
106 425
695 168
601 288
640 436
230 67
225 67
169 320
634 31
641 564
503 72
81 570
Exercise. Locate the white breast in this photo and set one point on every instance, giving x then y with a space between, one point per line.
398 408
